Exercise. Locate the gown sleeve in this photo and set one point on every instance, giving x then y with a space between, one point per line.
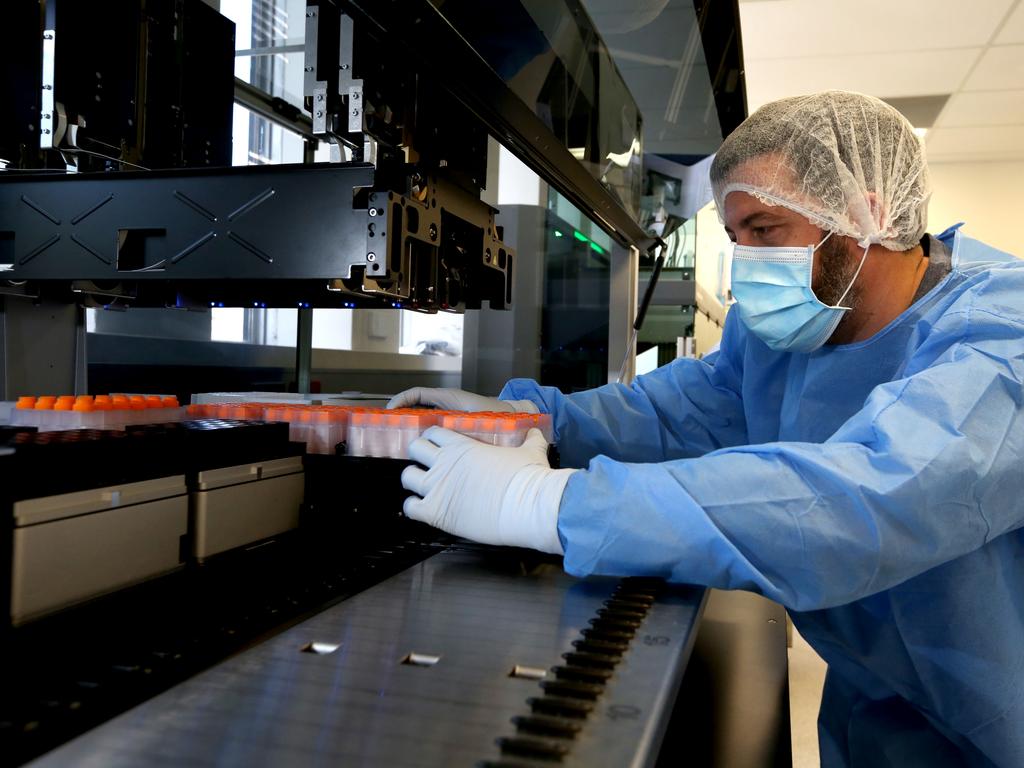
931 468
684 409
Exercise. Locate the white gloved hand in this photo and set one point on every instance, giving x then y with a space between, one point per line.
458 400
491 494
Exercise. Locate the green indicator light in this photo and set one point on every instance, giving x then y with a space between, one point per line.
597 247
557 233
580 236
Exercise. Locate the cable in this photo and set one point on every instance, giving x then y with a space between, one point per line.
79 150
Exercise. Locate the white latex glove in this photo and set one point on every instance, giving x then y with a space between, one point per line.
458 400
491 494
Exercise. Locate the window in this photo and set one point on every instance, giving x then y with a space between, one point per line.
269 41
423 334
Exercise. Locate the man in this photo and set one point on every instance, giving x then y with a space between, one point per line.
855 451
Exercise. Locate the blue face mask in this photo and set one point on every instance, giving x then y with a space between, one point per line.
772 288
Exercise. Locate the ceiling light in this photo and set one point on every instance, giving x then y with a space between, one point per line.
920 132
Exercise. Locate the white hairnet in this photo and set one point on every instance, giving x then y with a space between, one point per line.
848 162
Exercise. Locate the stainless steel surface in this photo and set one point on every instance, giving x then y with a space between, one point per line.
360 705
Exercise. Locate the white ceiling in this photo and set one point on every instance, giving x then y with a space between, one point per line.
972 51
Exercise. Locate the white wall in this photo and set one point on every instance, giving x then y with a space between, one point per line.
989 197
517 184
713 273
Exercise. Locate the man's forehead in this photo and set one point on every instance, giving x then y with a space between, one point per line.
767 171
744 209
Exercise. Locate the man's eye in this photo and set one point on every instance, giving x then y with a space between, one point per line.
762 231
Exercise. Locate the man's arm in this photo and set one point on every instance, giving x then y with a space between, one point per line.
930 469
684 409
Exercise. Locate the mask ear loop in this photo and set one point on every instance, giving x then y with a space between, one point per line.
855 276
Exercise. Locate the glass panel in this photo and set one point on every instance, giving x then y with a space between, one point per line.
269 37
658 50
554 61
681 246
153 323
257 141
574 321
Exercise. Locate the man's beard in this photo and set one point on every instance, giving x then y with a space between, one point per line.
837 268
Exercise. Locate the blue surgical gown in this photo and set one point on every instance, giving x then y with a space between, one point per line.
875 489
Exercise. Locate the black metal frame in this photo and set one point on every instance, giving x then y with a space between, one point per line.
404 231
293 235
418 30
719 22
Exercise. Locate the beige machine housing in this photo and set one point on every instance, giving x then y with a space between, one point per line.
237 506
76 546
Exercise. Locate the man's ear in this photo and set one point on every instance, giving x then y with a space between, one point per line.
879 210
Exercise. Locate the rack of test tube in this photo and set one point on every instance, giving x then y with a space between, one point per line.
51 413
377 432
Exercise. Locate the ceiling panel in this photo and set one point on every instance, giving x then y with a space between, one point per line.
1013 30
884 75
921 111
983 108
786 28
1002 67
900 50
1004 142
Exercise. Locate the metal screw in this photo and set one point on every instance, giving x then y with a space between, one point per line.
46 130
355 97
47 36
487 255
433 232
373 211
319 97
319 113
344 66
371 256
355 113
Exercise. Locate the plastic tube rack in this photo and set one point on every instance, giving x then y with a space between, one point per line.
55 414
377 432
